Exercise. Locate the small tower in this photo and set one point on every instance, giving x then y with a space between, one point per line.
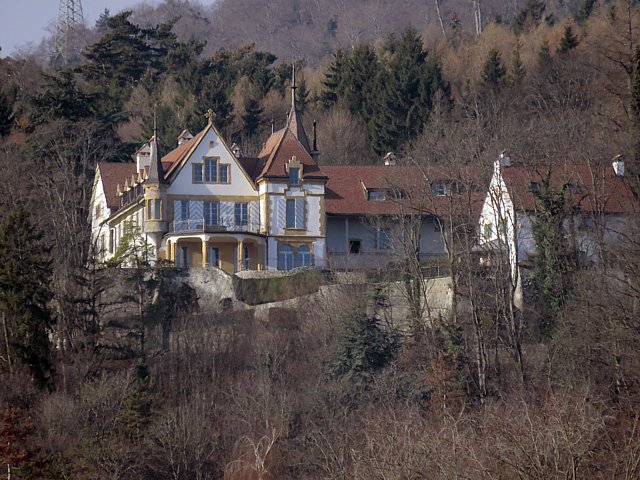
294 120
155 198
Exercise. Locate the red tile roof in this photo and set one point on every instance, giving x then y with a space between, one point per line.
592 188
346 191
113 174
175 157
279 149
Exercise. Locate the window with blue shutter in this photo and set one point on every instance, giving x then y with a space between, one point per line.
211 213
241 214
295 213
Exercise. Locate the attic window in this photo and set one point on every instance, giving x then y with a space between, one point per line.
294 169
440 189
535 187
294 176
376 195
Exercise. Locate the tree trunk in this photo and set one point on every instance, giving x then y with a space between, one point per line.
437 2
6 341
478 16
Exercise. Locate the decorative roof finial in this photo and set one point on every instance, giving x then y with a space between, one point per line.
293 86
210 115
155 121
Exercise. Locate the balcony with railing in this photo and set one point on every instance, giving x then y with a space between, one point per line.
200 226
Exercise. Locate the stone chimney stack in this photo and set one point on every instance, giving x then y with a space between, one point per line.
143 157
505 160
390 159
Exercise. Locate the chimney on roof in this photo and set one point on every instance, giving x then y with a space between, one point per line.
143 155
618 165
235 149
314 150
184 136
390 159
504 159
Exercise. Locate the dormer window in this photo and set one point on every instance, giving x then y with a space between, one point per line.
294 169
442 188
535 187
294 175
376 195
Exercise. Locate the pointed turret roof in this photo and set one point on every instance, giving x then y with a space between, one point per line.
294 120
156 172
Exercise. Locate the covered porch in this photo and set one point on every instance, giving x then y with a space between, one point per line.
227 251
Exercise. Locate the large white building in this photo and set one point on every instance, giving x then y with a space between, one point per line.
203 204
598 200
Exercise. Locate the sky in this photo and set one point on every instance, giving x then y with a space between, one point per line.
28 21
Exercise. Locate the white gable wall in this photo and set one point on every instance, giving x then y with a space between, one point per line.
212 146
99 229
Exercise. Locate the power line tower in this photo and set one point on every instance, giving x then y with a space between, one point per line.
69 31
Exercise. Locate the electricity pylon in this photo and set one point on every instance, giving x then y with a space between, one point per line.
69 30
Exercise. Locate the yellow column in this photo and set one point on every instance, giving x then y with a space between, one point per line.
240 251
174 245
204 253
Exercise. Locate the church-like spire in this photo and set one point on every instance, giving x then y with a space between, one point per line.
156 173
294 121
293 87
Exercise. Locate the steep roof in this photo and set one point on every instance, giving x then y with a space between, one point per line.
591 188
113 174
156 171
176 156
294 124
278 150
408 188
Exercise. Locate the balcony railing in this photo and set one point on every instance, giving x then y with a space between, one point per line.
200 226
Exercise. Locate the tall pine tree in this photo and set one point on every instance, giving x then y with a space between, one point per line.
405 91
25 275
252 117
569 41
333 82
493 72
6 114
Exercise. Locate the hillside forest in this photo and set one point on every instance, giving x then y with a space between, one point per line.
330 390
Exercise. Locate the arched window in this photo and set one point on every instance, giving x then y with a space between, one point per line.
303 256
285 257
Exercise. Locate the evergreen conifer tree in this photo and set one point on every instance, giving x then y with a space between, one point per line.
6 114
635 90
358 91
333 82
302 94
517 71
529 17
405 90
252 117
569 41
493 72
25 276
544 55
